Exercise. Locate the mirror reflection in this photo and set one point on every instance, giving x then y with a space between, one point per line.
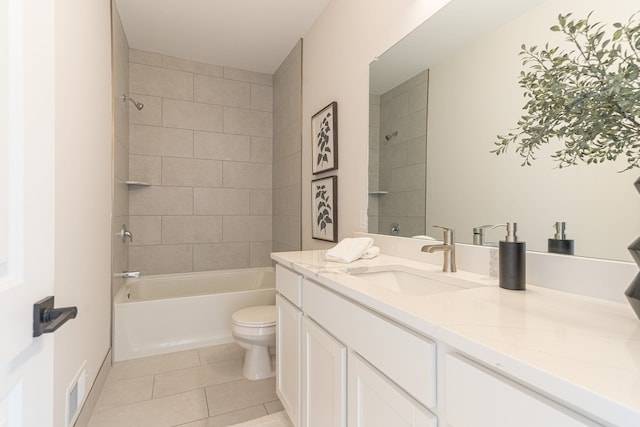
470 72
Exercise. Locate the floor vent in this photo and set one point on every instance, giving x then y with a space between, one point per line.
76 395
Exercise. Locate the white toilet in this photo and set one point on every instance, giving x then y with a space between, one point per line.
254 328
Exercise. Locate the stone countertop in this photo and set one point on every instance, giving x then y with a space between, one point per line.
581 350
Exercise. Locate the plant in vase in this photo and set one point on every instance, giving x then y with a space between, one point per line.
588 98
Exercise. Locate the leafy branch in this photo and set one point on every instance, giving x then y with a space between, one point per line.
587 97
323 207
322 140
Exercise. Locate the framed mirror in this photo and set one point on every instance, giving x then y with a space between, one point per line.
470 67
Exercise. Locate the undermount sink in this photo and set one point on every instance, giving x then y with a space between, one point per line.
407 281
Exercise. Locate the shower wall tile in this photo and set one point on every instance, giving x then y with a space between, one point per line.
191 229
248 76
146 230
288 77
146 169
246 228
161 259
215 90
248 122
191 66
260 255
157 200
151 114
162 82
287 112
293 165
286 199
191 172
160 141
261 202
246 175
221 256
121 161
192 115
221 201
204 141
144 57
261 149
287 141
261 97
221 146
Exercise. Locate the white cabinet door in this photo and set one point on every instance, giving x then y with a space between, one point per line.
288 367
478 397
374 401
324 379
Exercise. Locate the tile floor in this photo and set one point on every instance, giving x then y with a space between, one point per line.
194 388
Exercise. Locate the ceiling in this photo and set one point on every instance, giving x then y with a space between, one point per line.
254 35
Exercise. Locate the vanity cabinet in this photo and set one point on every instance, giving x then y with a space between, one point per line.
375 401
479 397
324 378
288 342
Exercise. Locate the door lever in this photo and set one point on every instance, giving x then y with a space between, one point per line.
47 319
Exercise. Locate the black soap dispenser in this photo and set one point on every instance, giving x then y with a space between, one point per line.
560 244
513 260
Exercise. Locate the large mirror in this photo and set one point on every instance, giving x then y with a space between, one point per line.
441 96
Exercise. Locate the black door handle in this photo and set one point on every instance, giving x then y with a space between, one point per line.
47 319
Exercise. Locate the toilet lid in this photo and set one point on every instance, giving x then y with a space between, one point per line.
262 315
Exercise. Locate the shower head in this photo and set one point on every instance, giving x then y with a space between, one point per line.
139 105
391 135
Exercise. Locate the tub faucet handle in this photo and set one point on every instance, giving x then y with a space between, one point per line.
125 234
128 274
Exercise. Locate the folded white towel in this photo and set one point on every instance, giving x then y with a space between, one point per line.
349 249
372 252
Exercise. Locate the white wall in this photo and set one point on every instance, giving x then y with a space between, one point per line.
337 51
82 189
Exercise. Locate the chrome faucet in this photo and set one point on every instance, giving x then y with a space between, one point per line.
125 234
128 274
479 234
448 247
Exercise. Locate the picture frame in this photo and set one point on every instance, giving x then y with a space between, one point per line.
324 137
324 208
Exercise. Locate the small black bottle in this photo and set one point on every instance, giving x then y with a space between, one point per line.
513 261
560 244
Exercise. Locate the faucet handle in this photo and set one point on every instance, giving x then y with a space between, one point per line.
448 234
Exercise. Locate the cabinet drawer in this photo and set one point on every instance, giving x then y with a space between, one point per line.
289 284
404 357
479 397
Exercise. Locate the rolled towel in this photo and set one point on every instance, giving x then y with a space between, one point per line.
372 252
349 249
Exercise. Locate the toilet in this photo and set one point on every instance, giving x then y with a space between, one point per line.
254 328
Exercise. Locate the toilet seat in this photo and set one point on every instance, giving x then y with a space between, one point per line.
261 316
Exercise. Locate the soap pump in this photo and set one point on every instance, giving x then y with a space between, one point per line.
512 258
560 244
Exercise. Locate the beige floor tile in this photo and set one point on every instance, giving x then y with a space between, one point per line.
273 407
164 412
230 418
197 377
124 392
240 394
219 353
279 419
154 365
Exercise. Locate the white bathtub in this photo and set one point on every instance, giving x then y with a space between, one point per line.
170 312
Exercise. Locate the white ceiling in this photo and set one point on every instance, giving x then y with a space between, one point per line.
252 35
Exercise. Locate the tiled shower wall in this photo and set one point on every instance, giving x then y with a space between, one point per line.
287 152
204 144
403 109
120 200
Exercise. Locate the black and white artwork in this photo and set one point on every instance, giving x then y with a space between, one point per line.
324 132
324 210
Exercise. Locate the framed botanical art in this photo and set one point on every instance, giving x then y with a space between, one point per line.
324 209
324 135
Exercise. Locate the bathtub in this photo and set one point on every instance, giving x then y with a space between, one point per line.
170 312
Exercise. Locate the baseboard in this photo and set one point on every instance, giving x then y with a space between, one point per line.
92 398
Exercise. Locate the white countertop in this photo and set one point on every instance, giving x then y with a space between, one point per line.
582 350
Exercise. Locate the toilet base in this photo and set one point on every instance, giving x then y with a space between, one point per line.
257 363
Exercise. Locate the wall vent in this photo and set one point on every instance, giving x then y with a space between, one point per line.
76 394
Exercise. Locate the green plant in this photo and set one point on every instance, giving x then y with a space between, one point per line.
587 97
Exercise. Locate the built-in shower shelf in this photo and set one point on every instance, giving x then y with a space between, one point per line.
138 183
378 193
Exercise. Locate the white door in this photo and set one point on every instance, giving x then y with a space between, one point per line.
26 209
